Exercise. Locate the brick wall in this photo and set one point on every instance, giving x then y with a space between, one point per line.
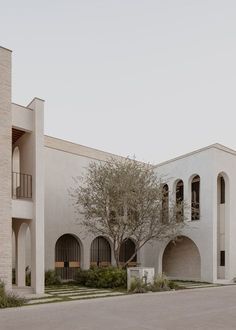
5 167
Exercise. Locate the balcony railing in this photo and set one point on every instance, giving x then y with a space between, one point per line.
21 186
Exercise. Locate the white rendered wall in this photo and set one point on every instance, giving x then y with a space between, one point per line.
207 164
62 166
60 217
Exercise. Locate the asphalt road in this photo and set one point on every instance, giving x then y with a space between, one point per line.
208 308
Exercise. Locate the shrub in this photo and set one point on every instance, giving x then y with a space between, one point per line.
173 285
138 286
109 277
51 278
161 283
9 299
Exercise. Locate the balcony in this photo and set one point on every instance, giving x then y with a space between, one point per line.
21 186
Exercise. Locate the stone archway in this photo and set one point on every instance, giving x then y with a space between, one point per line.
181 260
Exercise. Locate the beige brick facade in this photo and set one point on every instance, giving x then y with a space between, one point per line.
5 168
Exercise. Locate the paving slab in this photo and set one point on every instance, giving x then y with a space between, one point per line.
41 301
83 293
98 295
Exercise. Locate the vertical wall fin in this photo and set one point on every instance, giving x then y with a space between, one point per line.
37 225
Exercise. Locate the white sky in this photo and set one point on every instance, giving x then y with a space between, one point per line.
154 78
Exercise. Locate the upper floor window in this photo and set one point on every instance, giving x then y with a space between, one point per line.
179 200
195 198
165 203
222 190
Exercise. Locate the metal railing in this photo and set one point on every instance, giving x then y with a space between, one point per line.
21 185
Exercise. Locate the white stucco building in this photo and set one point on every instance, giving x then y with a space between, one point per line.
38 227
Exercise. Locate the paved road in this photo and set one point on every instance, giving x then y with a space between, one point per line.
211 308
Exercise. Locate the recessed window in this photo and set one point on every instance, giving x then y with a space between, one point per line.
195 198
222 190
179 201
165 203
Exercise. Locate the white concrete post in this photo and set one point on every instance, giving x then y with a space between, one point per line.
86 250
5 168
213 214
37 224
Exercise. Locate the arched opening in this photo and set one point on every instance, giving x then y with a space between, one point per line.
100 252
179 195
222 215
67 257
16 160
195 198
127 250
15 172
181 260
21 253
165 204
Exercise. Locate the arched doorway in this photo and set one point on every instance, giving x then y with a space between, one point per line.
100 252
21 252
127 249
181 260
67 257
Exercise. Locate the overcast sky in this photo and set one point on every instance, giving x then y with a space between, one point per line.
154 78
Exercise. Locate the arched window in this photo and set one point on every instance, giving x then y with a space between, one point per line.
165 203
67 256
15 172
16 160
222 190
127 249
100 252
195 198
179 201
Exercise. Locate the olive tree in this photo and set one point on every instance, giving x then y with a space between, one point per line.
123 198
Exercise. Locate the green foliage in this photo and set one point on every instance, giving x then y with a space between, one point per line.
138 286
51 278
9 299
161 283
173 285
107 277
